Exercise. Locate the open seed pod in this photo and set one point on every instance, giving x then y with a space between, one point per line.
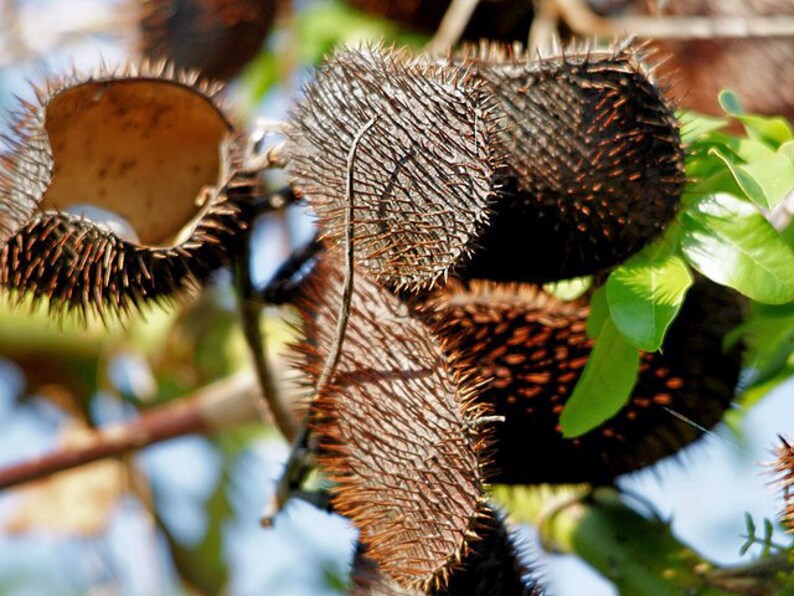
395 430
408 145
215 37
595 167
531 348
134 187
492 566
784 470
758 69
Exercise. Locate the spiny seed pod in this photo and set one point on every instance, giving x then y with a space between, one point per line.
531 348
215 37
149 147
395 430
408 144
502 20
493 566
595 167
784 469
757 69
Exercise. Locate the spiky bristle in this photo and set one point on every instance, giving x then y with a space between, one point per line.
783 468
594 162
144 143
532 348
423 174
492 566
214 37
396 430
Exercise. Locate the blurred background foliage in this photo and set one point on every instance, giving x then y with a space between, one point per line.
183 516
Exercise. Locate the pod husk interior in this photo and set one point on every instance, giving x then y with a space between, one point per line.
395 431
146 144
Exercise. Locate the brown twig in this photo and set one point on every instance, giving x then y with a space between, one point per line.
452 25
221 404
250 308
301 458
582 20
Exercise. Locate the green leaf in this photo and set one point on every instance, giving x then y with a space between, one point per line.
772 130
599 312
730 102
645 295
605 384
747 183
569 289
696 126
730 242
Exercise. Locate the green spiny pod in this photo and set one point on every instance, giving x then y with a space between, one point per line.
214 37
395 430
595 166
131 175
531 349
405 147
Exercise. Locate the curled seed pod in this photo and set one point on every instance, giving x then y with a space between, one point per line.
149 147
412 141
215 37
395 430
492 566
784 470
595 166
531 348
757 69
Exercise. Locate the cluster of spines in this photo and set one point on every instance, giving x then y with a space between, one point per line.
397 430
423 176
783 468
594 160
493 565
531 349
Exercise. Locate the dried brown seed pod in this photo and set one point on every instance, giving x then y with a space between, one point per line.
151 147
595 166
531 348
395 430
784 470
501 20
492 566
215 37
759 70
412 140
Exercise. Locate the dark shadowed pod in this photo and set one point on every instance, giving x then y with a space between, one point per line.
758 70
501 20
531 349
783 468
134 178
407 146
215 37
396 431
595 166
492 566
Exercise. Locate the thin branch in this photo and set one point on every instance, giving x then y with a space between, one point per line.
452 25
250 309
300 459
224 403
582 20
